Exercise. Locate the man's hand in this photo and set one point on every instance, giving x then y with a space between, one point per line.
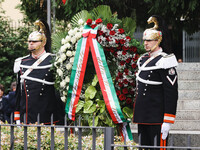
165 130
18 122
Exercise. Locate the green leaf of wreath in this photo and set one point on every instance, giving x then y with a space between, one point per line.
102 105
95 81
96 120
102 11
88 108
84 14
90 92
128 111
129 24
79 106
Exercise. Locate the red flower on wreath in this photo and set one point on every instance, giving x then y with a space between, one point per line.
133 49
125 48
120 84
121 31
122 97
128 100
89 22
109 26
125 91
120 74
100 32
112 32
125 81
122 63
118 92
126 71
93 26
128 38
98 21
128 60
133 66
117 41
122 41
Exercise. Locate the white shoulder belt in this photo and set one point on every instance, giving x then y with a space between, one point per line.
168 61
35 66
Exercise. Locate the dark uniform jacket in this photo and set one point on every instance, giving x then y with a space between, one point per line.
157 89
35 90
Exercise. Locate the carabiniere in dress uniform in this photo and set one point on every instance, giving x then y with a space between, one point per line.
157 87
36 94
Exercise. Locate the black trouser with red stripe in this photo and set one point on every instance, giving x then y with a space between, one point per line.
150 135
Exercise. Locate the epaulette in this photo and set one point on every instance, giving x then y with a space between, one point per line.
17 63
167 61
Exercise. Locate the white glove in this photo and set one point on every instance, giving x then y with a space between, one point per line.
17 122
165 130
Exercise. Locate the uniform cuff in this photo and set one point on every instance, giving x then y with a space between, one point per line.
16 115
169 118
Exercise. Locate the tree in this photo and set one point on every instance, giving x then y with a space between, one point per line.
12 46
38 9
180 14
177 13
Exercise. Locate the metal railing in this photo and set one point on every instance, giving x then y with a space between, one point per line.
191 47
108 137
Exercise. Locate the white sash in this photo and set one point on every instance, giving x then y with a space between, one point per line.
142 68
34 66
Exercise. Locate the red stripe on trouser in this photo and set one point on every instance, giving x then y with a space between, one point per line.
162 142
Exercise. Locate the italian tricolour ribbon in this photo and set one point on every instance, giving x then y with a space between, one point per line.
86 43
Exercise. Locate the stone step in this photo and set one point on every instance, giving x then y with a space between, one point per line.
188 66
187 125
188 84
188 75
188 115
181 125
189 94
188 105
178 138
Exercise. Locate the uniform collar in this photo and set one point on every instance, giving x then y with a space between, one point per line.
39 55
154 53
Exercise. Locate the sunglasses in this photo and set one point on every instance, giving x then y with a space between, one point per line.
35 41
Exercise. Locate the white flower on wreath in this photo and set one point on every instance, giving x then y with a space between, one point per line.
63 57
71 32
67 38
63 98
62 84
80 22
62 49
78 35
60 72
69 53
73 40
71 60
67 79
68 66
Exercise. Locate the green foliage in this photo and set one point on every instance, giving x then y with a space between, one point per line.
180 14
90 92
91 106
57 40
102 11
84 14
13 45
128 112
129 24
38 9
